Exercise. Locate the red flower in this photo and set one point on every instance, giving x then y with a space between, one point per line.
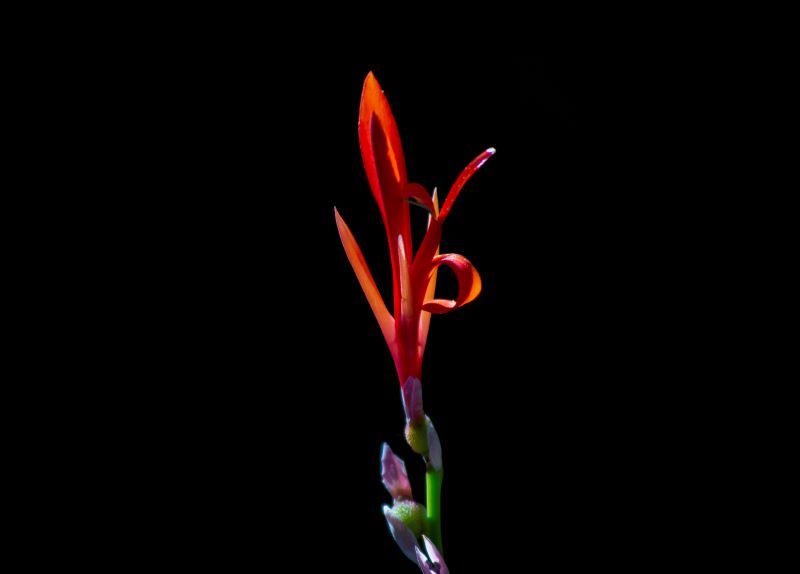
413 274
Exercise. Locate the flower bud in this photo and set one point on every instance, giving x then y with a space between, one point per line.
412 400
435 563
417 436
393 474
412 514
434 447
406 521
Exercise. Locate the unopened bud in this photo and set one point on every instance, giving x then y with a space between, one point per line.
434 564
412 514
412 400
402 534
393 474
417 436
434 447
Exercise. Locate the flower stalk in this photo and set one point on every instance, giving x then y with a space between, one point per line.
433 502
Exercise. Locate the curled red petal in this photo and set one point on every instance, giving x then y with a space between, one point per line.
419 194
469 283
473 166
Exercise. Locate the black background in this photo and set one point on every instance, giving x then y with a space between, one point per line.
260 388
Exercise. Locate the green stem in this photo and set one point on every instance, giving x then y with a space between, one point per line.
433 484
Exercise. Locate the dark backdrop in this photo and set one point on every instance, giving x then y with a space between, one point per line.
265 382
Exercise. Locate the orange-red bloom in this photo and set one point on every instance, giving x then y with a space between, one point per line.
413 274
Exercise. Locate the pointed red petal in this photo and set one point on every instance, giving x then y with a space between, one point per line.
376 122
394 191
406 289
384 163
474 166
407 359
428 249
364 276
469 283
425 316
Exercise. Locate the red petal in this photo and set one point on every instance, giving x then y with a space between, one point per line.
364 276
394 192
428 249
469 283
384 163
474 166
390 164
420 194
407 319
425 316
406 288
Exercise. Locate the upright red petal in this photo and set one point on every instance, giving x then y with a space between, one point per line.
406 319
425 316
385 167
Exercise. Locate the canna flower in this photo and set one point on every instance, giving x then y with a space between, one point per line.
413 272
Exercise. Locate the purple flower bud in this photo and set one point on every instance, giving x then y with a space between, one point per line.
434 447
402 534
393 474
424 565
435 565
412 400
